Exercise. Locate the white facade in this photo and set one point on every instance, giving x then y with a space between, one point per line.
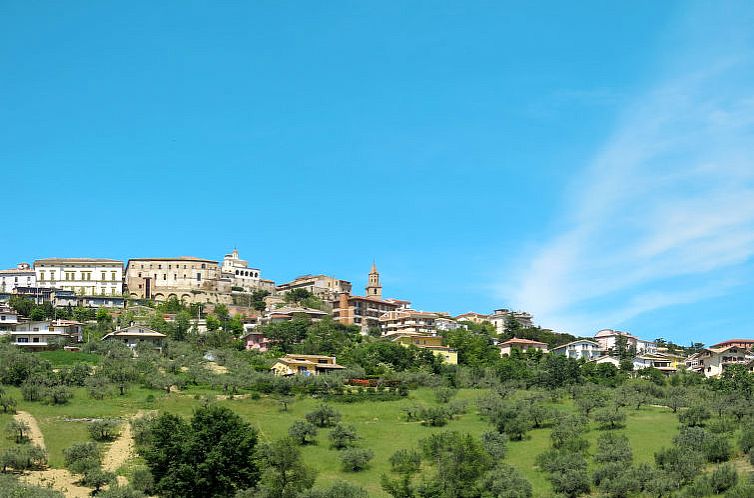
500 316
8 319
442 324
84 276
44 333
587 350
135 335
608 340
239 273
21 276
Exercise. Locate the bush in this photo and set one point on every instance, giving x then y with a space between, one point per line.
99 387
9 404
342 436
356 459
747 439
612 448
680 463
723 478
717 448
117 491
323 416
104 430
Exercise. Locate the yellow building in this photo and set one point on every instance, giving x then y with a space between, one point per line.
430 342
305 364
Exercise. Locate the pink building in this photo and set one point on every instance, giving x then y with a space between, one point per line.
256 341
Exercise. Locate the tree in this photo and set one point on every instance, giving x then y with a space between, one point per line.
612 448
117 491
212 455
182 325
355 459
590 397
610 417
504 481
567 471
342 436
495 444
694 416
17 430
459 459
82 456
104 429
339 489
681 464
323 416
303 432
284 475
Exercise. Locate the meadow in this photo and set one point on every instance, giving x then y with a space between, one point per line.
381 425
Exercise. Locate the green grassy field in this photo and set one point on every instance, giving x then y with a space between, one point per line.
60 358
380 424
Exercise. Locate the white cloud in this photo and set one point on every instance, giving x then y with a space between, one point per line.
664 215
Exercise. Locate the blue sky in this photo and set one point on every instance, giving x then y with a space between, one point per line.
590 162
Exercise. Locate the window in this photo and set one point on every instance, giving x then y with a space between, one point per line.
159 267
23 339
104 276
204 266
164 276
198 277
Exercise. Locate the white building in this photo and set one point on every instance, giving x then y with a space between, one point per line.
712 361
8 319
136 335
579 349
41 334
442 324
499 318
22 276
84 276
608 341
240 275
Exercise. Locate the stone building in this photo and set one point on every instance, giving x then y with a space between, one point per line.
189 279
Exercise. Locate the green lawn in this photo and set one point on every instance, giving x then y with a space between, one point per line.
61 358
380 424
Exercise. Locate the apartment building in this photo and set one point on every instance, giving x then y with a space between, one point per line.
500 317
577 350
408 321
42 334
241 276
324 287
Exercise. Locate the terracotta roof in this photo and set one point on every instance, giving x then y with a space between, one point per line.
516 340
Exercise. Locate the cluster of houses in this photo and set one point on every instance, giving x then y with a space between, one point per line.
119 286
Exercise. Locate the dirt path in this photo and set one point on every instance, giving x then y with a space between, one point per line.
35 434
121 449
59 480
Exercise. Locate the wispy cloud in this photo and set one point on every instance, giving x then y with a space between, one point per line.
664 214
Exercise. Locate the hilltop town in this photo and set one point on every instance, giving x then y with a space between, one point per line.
58 286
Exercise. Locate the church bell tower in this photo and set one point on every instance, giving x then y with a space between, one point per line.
374 289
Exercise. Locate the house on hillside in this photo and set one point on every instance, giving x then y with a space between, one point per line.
255 341
137 335
305 364
44 334
712 362
522 345
429 342
608 340
8 319
582 348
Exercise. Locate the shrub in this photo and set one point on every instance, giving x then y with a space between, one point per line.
342 436
104 430
23 457
339 489
9 404
356 459
141 429
680 463
99 387
117 491
747 439
31 391
612 448
717 448
723 478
